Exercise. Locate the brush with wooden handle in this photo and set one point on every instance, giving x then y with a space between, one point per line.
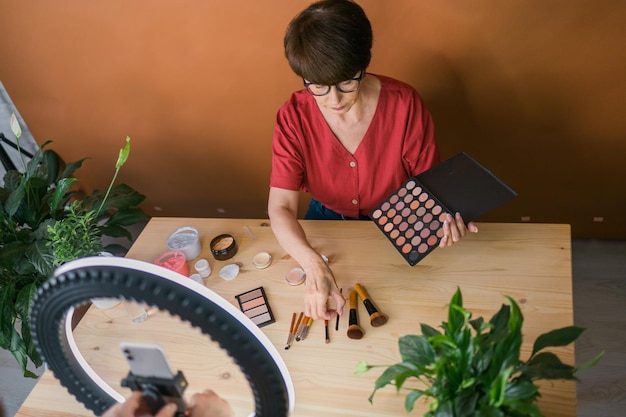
377 318
354 330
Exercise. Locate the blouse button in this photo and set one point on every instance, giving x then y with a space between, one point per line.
355 201
352 164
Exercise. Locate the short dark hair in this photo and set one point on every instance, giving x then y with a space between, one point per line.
329 42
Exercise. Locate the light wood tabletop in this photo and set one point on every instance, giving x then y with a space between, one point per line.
529 262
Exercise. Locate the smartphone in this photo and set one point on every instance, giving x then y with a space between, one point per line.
147 360
150 373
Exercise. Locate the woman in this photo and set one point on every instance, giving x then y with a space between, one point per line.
349 138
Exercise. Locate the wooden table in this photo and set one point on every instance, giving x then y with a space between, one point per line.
529 262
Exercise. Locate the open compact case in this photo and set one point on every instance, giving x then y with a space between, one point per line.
412 216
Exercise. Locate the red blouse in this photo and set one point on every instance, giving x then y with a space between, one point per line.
398 144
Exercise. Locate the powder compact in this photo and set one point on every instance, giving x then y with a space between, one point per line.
254 305
223 247
262 260
295 276
412 216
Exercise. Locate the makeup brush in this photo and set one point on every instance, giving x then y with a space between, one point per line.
307 326
326 331
377 318
291 331
337 322
297 326
301 328
354 331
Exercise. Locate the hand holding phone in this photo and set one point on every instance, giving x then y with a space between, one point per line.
151 374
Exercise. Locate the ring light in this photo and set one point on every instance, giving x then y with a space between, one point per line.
77 282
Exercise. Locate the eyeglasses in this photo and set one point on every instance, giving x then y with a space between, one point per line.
347 86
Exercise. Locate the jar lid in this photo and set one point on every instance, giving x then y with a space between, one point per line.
262 260
295 276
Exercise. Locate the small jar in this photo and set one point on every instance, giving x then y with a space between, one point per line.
262 260
202 267
223 247
186 240
295 276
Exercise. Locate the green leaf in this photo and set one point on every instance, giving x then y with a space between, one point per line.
559 337
520 389
127 216
411 398
516 319
115 231
590 363
465 403
429 331
15 200
444 409
456 313
416 349
547 365
121 196
498 386
61 189
399 370
71 168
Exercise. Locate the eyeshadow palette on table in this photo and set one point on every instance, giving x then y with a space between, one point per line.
412 216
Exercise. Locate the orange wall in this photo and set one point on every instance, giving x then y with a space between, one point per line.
534 90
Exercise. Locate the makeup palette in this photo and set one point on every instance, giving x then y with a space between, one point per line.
254 305
412 216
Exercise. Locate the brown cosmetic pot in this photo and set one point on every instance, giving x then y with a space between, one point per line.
223 247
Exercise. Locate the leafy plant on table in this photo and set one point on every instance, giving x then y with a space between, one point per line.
473 368
43 225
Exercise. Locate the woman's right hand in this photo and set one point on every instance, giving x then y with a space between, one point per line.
320 287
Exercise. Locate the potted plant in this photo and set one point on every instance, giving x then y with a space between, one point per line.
473 368
43 225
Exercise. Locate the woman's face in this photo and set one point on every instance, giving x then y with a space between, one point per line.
337 100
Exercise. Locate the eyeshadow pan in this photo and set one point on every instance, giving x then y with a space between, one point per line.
254 305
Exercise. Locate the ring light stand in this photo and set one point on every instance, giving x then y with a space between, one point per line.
77 282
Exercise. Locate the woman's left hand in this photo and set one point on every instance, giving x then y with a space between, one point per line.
454 229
